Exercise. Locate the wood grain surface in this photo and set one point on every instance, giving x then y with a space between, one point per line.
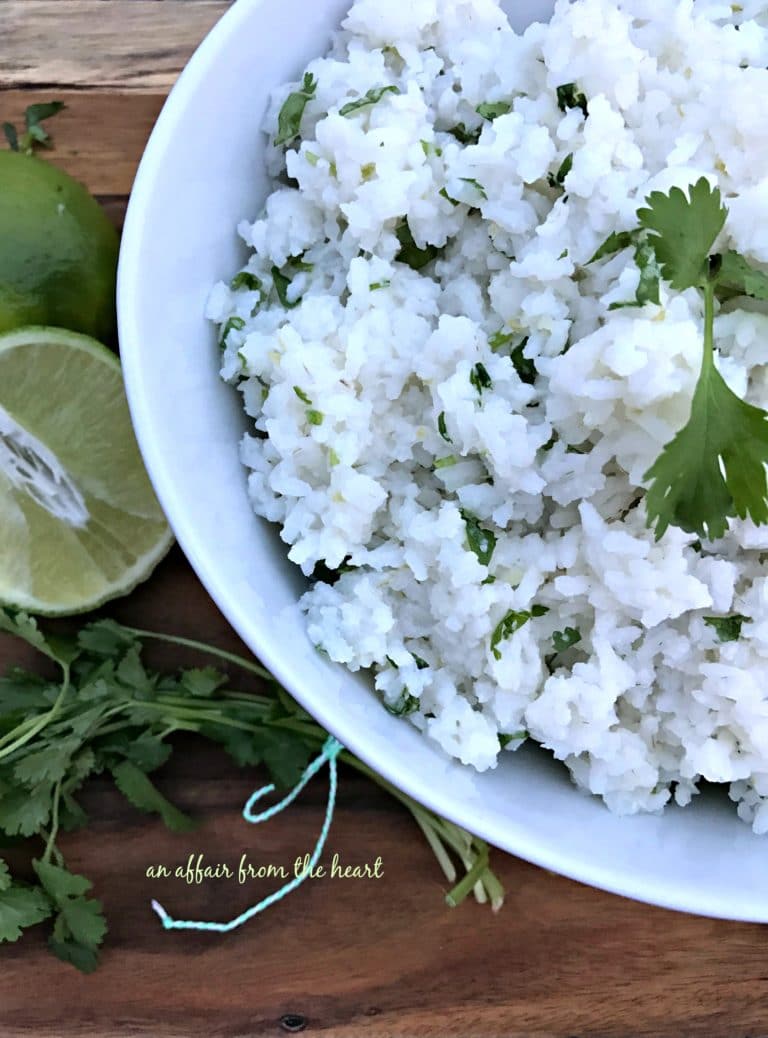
346 959
101 44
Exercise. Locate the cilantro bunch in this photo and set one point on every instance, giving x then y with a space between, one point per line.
109 714
715 467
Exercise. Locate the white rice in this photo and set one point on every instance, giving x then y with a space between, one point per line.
649 701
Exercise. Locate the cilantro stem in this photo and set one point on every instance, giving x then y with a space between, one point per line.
438 831
163 705
495 890
56 853
438 849
51 841
39 724
208 650
460 891
190 713
709 326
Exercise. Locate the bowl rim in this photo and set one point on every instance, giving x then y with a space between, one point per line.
517 841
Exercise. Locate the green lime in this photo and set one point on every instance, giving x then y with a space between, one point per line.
58 251
80 522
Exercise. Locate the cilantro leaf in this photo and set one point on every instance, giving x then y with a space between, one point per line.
34 116
81 956
71 814
202 681
429 148
80 926
481 542
234 324
445 463
139 790
245 280
524 366
292 111
649 285
284 755
371 97
442 428
500 339
563 640
683 230
511 623
24 626
410 252
105 638
20 906
569 96
35 134
282 283
615 242
46 765
476 185
463 135
23 811
5 875
11 135
715 465
22 691
480 378
493 109
60 883
404 706
558 179
131 673
737 277
147 751
727 628
505 739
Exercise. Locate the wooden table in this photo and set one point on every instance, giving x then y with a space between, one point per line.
360 959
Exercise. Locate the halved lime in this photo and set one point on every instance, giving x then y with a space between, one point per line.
79 521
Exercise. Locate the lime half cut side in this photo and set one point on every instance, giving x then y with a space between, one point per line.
79 520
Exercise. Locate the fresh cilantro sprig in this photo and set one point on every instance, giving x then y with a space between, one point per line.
35 135
109 714
715 467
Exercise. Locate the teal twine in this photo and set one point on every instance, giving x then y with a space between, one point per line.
329 753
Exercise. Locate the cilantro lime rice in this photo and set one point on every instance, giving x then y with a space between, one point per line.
462 354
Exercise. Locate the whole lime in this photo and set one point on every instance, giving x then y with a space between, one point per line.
58 251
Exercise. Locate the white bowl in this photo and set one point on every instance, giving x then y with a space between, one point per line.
203 172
